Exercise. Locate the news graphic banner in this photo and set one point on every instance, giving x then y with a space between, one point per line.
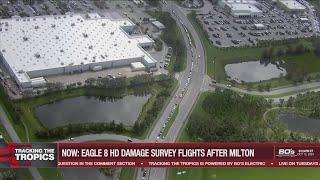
98 155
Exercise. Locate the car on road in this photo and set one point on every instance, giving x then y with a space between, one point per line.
144 174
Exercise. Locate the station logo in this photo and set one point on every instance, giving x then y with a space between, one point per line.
286 152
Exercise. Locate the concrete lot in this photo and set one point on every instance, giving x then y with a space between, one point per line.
225 30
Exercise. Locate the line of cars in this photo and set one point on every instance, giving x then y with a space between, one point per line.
179 97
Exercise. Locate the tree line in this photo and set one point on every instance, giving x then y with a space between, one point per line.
229 117
77 129
309 101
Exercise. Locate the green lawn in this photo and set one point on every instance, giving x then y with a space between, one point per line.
172 119
50 174
127 173
246 174
17 127
217 58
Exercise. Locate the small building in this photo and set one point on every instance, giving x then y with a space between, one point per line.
292 6
158 25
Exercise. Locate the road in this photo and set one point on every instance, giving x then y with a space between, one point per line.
15 138
190 91
292 89
99 137
89 173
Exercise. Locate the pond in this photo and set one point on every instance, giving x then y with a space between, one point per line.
299 123
87 109
253 71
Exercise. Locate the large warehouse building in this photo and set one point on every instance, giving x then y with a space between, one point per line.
241 8
33 48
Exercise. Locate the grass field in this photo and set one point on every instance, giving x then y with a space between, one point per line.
170 122
217 58
127 173
246 174
50 174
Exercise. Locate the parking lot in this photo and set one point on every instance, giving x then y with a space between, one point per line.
225 30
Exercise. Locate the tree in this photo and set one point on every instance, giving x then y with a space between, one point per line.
281 102
90 81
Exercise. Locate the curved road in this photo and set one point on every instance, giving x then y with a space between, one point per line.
291 89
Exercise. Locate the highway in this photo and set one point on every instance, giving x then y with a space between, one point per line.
188 90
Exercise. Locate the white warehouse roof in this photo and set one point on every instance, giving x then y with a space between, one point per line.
292 4
52 42
244 8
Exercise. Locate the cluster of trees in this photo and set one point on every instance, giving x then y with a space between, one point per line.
8 175
309 101
122 82
170 36
229 117
108 171
271 52
151 114
4 11
316 45
101 4
153 2
70 130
